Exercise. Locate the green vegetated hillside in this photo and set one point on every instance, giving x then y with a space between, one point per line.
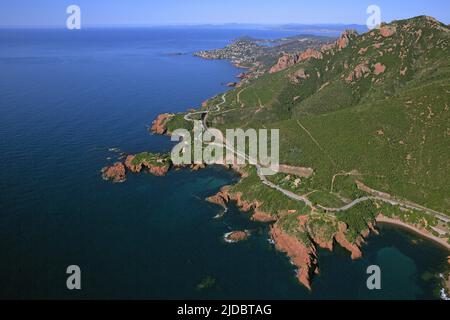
368 113
373 107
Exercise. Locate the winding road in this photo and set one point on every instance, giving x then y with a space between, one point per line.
387 199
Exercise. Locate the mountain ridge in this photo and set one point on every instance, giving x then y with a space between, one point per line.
369 112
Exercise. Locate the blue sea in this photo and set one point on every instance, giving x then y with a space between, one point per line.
69 100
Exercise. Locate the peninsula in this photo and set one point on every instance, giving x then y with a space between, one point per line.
364 122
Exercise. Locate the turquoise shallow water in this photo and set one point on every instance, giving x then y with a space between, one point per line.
65 99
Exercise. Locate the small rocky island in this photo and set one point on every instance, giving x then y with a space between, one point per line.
155 164
236 236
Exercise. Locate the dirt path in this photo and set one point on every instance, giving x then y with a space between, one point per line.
238 97
316 143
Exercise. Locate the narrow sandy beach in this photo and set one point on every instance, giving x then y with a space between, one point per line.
443 243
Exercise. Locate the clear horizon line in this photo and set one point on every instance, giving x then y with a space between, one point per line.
271 24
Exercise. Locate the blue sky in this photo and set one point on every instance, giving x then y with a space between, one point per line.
169 12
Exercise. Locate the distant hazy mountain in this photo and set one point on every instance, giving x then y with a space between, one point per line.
312 29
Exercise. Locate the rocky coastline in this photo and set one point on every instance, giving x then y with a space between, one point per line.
155 164
301 242
159 124
225 196
303 254
303 257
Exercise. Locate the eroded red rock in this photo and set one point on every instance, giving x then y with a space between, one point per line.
343 242
285 61
311 53
302 256
157 170
159 125
237 236
288 60
345 38
379 68
387 31
360 70
225 196
115 173
130 166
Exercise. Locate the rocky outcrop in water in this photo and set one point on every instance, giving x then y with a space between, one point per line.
157 165
302 256
344 243
159 169
115 173
236 236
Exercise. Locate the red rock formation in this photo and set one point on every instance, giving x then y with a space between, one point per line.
360 70
316 237
237 236
225 196
130 166
324 244
153 169
285 61
159 125
263 217
217 199
116 173
379 68
345 38
288 60
372 228
158 171
302 256
342 240
311 53
387 31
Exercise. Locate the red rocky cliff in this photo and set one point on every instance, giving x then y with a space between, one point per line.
302 256
159 125
115 173
288 60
